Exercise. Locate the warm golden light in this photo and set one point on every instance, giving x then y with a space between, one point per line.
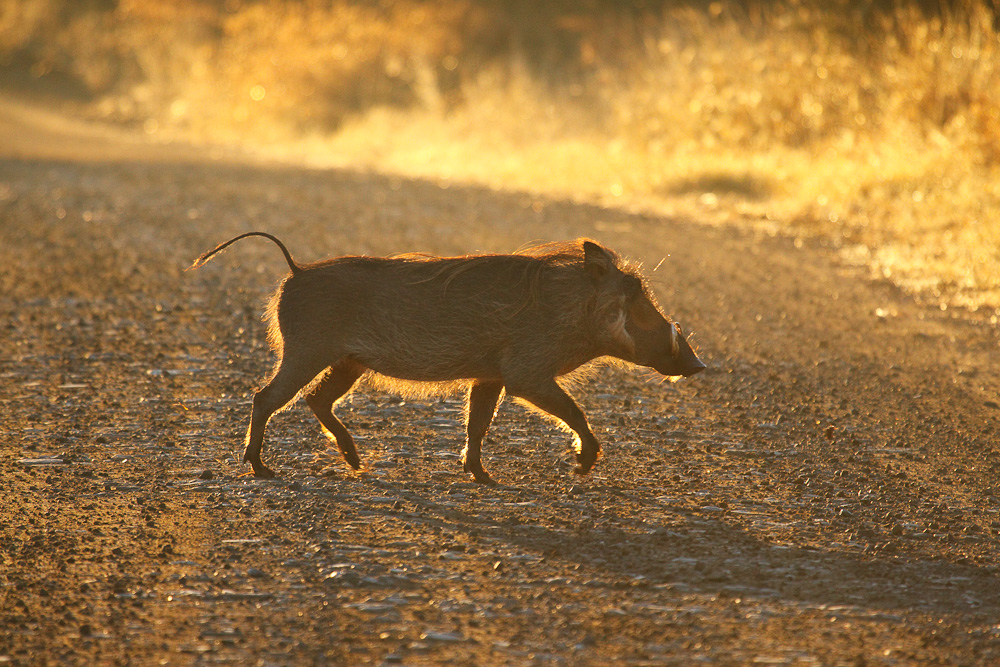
876 129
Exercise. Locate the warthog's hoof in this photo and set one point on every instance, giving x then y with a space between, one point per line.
252 456
262 471
586 460
478 473
483 477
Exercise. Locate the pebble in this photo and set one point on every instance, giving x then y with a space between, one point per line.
342 578
42 462
442 636
372 607
240 595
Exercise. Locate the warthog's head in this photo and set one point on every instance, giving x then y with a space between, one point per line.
643 333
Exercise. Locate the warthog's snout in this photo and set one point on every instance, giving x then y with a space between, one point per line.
492 324
688 360
695 368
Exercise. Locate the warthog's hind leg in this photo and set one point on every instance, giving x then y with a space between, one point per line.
336 384
287 381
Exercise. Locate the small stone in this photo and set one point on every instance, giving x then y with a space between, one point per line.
442 637
206 474
45 461
342 578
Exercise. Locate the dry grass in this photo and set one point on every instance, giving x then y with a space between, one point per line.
878 130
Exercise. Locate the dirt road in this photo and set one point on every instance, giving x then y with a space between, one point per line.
826 493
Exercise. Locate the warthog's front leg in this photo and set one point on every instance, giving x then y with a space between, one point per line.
551 398
484 397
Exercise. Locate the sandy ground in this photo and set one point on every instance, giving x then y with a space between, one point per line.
826 493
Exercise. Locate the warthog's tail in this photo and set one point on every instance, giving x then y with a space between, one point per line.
295 268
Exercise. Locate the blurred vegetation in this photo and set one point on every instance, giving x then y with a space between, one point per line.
874 125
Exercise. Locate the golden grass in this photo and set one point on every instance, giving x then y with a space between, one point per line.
878 130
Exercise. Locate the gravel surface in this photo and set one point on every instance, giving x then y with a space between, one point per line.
826 493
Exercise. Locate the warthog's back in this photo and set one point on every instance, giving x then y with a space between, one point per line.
435 319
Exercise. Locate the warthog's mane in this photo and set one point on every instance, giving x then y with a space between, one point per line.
555 254
528 264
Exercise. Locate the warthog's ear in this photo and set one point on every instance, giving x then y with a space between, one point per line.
597 261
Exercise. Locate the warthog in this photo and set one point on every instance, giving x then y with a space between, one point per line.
487 323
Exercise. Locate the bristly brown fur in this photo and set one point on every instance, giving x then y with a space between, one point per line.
522 324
